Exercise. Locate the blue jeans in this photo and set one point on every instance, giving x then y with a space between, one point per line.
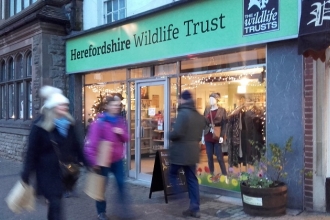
192 184
117 169
216 149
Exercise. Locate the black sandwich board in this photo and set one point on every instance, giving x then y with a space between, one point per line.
160 176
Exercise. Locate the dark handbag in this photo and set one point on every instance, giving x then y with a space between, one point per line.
216 130
69 171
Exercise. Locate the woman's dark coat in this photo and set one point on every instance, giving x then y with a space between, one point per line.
42 159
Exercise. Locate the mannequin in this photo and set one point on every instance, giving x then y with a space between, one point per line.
214 147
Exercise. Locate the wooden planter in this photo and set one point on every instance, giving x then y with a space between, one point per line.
264 201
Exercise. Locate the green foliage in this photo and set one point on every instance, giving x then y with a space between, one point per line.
268 172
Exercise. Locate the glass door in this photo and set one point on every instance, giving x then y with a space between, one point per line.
151 124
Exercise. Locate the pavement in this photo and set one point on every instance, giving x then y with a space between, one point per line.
81 207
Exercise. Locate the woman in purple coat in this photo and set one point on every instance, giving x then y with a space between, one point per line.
109 126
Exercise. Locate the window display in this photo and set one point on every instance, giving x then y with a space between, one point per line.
233 102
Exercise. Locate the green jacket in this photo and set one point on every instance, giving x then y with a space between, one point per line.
186 134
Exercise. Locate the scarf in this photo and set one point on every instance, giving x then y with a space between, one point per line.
113 119
62 125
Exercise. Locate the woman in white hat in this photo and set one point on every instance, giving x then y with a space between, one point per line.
52 137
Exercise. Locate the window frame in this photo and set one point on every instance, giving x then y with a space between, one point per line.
18 84
118 10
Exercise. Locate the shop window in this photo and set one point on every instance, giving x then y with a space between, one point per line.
106 76
144 72
114 10
231 60
95 95
166 69
241 102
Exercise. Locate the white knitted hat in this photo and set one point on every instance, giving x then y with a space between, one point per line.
53 97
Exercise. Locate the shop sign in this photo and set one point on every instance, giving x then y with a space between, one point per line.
183 31
260 16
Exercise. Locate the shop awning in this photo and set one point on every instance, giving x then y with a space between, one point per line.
314 30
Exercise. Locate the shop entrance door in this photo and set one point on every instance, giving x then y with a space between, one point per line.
151 124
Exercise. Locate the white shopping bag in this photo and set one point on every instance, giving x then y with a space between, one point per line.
21 197
95 186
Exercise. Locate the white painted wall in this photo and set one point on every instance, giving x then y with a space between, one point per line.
94 10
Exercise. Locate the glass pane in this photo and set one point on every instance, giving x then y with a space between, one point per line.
21 105
95 94
108 6
109 18
3 72
122 14
11 8
115 16
242 105
11 69
18 6
167 69
115 5
26 3
174 91
237 59
152 125
2 12
3 102
144 72
29 65
121 3
19 73
34 1
132 112
29 93
106 76
11 94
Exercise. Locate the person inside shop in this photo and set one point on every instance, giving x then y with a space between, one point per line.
215 116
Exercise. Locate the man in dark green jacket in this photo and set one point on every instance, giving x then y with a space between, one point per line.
184 149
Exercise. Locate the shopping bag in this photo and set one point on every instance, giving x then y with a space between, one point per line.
21 197
104 153
95 186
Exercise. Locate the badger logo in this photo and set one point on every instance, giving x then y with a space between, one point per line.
261 4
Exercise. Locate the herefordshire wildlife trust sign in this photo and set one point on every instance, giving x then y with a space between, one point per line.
196 27
148 37
260 16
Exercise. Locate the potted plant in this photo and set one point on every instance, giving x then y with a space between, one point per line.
263 190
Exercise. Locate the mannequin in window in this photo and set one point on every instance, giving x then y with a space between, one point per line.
214 147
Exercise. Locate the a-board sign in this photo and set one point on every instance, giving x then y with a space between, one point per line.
160 176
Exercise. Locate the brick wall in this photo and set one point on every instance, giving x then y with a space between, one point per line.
12 146
308 139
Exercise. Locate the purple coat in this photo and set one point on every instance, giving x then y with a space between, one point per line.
102 130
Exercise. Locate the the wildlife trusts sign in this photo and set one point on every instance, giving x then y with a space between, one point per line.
260 16
200 26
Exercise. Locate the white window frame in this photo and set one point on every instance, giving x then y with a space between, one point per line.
105 13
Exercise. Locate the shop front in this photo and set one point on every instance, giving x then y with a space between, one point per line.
243 55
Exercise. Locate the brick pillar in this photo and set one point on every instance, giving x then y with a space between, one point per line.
308 126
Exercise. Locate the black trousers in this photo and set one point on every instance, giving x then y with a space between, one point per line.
55 211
